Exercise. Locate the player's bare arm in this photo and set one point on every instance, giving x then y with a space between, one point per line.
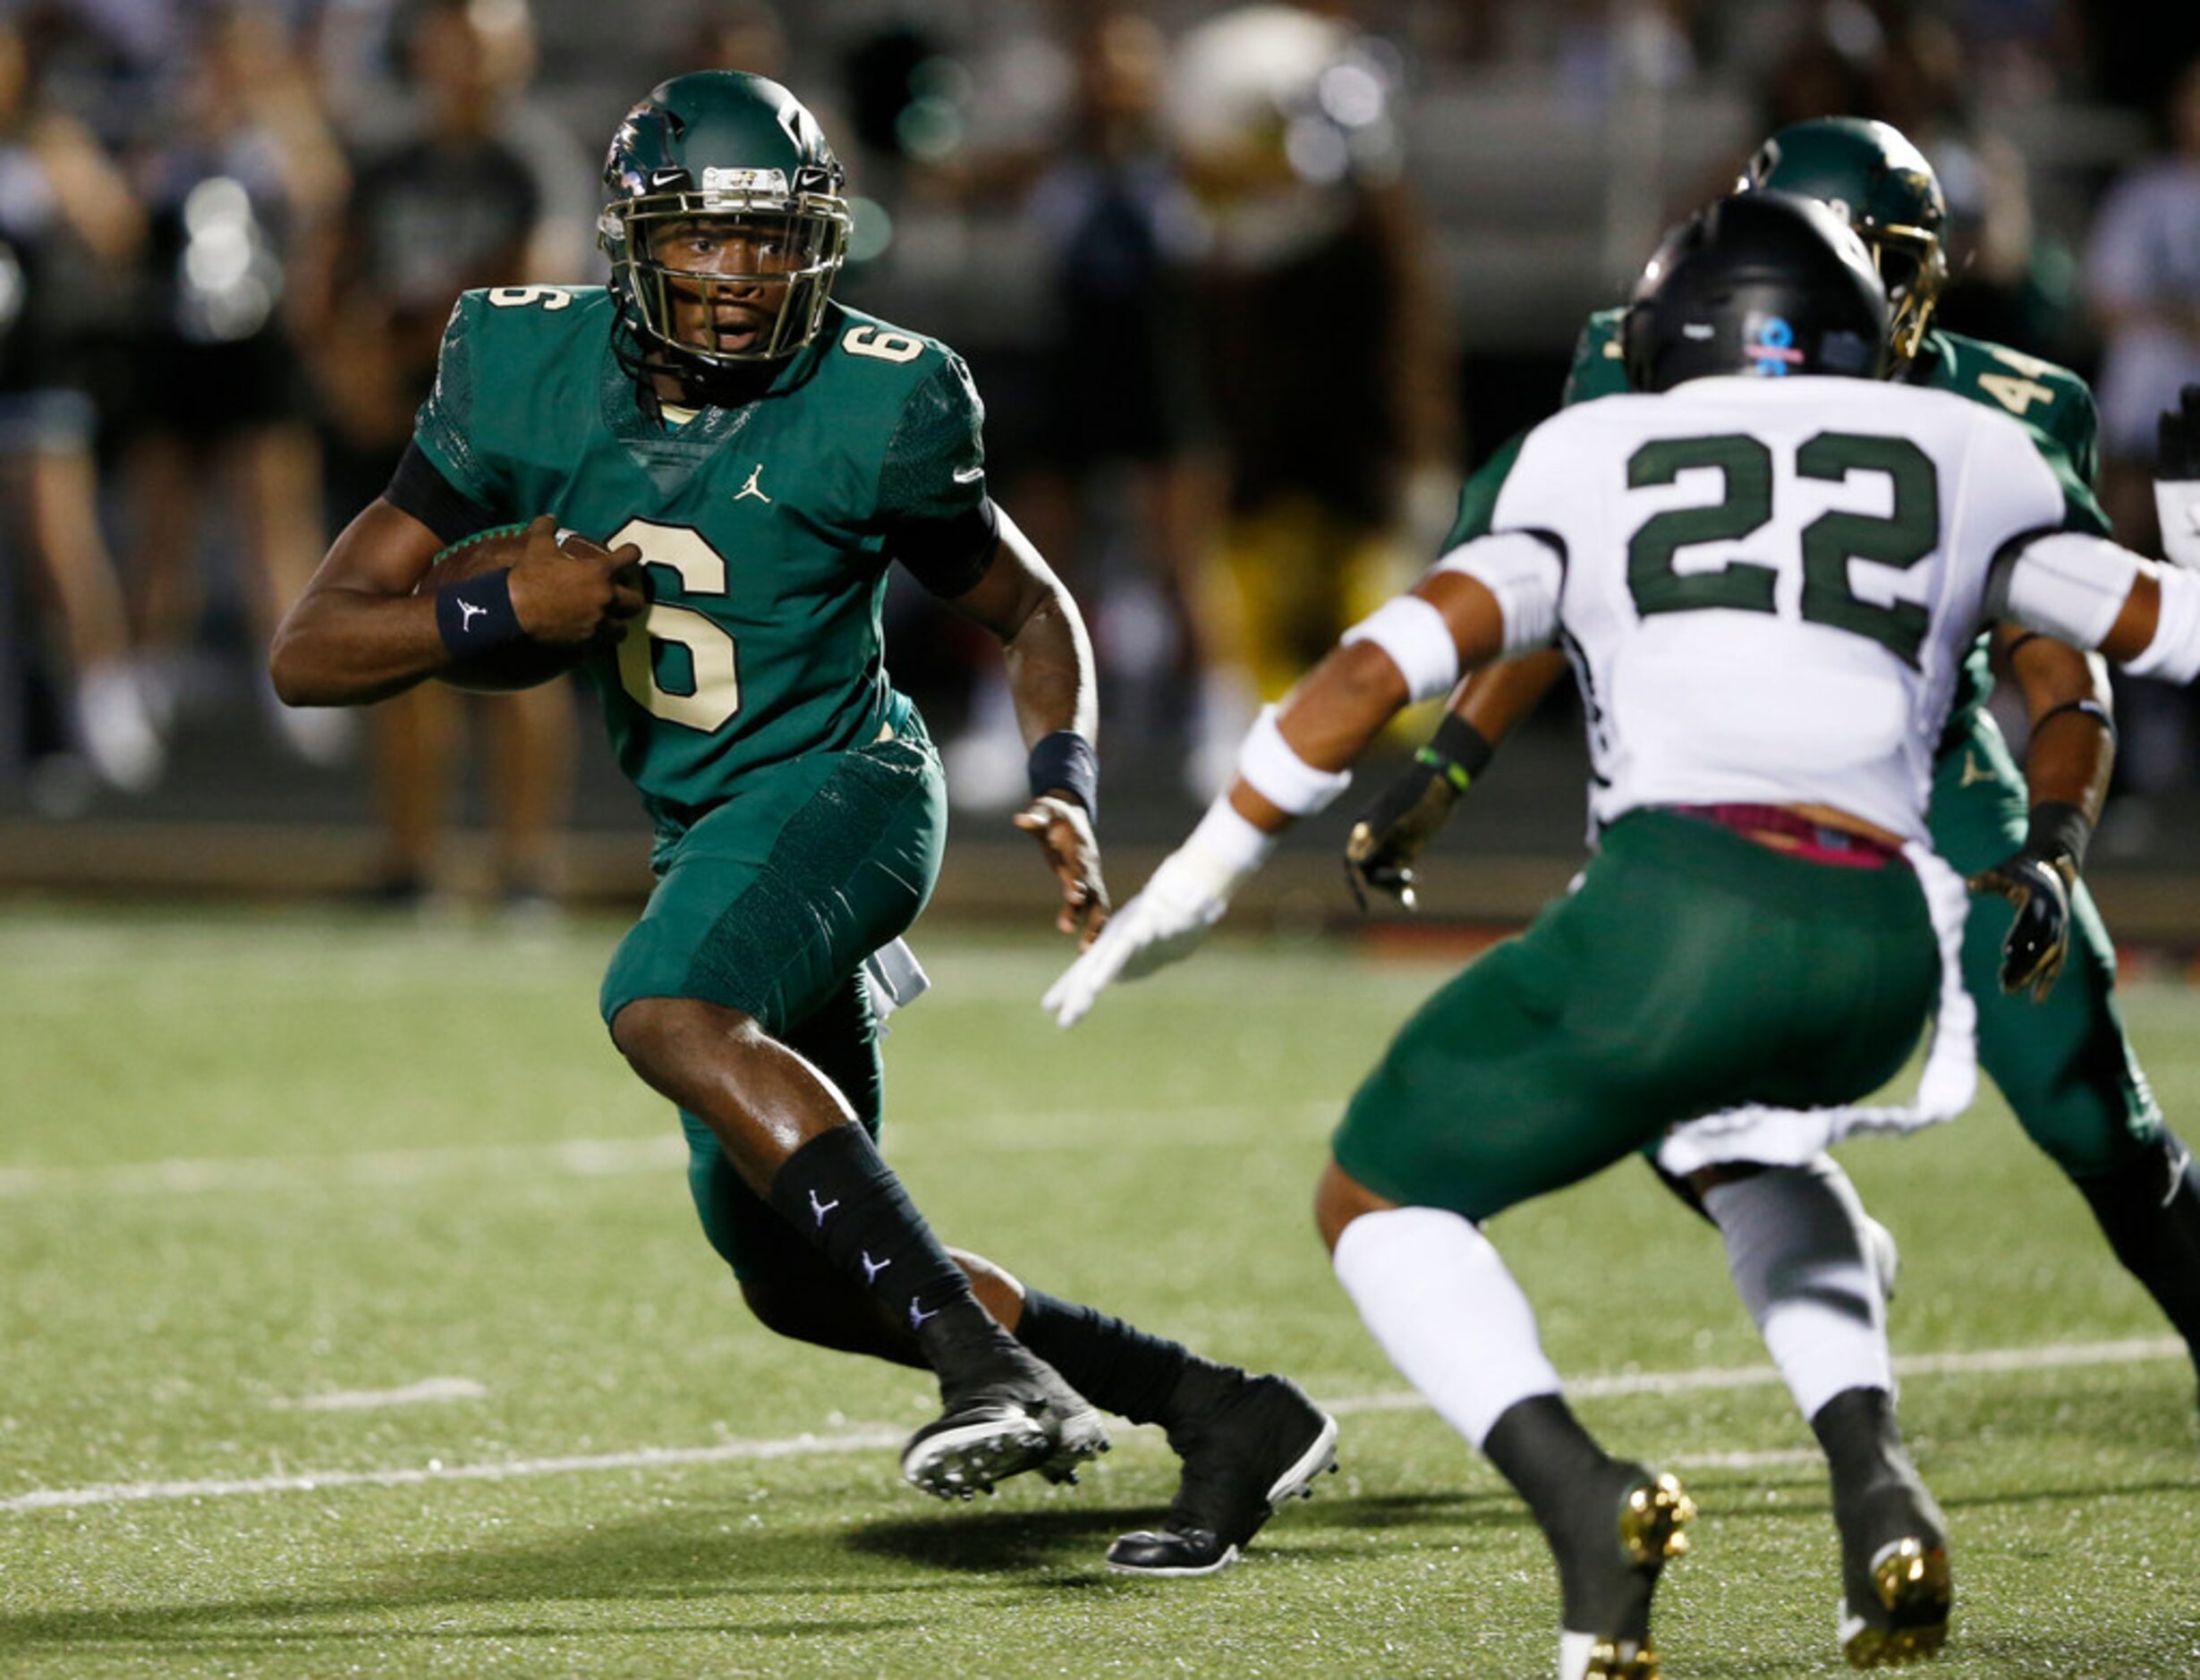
1392 833
1051 677
359 634
1294 764
2072 752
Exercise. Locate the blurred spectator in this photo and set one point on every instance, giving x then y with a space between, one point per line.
735 35
456 206
242 187
62 205
2142 277
1328 342
2009 282
1117 488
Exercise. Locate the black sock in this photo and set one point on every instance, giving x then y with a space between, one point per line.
838 1192
1541 1448
2150 1211
1857 1429
1571 1484
1115 1365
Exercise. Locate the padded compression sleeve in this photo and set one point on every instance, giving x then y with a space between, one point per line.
948 555
2065 585
419 488
1526 572
2174 654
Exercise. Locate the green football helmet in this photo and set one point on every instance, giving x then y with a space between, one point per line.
723 145
1881 185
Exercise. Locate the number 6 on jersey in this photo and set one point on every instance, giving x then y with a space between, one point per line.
713 694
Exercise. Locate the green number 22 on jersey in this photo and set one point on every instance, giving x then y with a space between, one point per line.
1899 539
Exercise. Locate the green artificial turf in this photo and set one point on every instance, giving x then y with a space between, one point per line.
250 1162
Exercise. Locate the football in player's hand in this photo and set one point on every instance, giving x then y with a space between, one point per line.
517 664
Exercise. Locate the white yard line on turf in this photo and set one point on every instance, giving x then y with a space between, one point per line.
1981 1362
429 1391
603 1157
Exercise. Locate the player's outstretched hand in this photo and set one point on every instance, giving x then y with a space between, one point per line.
1064 834
2038 941
1388 837
1162 924
571 591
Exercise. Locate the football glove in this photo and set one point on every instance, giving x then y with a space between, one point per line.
2176 479
1165 923
1390 835
2037 878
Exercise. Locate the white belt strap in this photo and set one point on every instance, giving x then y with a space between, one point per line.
895 980
1788 1137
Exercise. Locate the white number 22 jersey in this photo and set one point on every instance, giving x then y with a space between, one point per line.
1769 584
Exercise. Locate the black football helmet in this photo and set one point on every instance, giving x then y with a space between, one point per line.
1769 283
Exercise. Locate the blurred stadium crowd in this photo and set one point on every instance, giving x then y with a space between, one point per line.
1247 289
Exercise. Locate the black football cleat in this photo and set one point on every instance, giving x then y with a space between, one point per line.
1628 1525
1258 1443
1897 1593
1019 1416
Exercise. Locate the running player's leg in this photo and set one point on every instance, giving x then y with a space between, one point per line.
2066 1066
768 906
1648 998
1800 1249
1247 1442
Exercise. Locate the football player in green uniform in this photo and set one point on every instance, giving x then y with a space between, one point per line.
745 456
2062 1059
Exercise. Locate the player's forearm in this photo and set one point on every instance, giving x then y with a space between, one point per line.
2072 752
1494 700
1328 721
1050 675
342 646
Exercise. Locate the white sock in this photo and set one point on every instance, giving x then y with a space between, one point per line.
1803 1265
1439 1299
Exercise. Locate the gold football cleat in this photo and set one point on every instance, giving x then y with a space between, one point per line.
1917 1591
1622 1659
1651 1520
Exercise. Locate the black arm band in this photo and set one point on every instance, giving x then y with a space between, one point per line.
2057 829
2089 707
948 555
418 487
476 616
1459 749
1064 762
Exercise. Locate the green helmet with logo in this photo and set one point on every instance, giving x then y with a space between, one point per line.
727 145
1880 184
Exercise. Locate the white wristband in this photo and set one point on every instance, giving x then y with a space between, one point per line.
1280 777
2174 654
1414 633
2177 500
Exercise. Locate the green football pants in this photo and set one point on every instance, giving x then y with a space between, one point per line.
768 905
1692 972
2065 1066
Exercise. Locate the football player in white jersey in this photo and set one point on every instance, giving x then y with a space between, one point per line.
1766 574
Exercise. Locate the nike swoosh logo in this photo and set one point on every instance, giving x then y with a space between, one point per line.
969 475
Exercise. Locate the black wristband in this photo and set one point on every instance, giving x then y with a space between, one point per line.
2057 829
1459 749
476 616
1064 762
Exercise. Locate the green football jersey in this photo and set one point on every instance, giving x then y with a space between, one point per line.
764 528
2052 404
